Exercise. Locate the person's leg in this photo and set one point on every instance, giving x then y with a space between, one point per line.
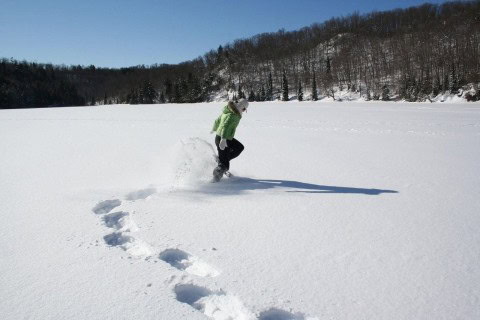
223 155
235 147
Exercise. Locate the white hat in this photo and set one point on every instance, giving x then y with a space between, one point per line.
242 104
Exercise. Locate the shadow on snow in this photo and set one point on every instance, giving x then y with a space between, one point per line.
238 184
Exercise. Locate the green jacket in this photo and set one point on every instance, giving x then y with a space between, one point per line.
226 124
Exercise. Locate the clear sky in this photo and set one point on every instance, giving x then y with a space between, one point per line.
121 33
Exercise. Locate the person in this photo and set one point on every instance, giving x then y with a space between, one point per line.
227 146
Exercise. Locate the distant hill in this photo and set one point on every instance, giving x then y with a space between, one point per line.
411 54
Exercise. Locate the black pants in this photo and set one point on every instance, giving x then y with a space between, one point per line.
232 150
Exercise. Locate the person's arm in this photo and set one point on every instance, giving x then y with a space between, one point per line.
216 124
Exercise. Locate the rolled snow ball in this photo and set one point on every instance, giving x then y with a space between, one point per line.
242 105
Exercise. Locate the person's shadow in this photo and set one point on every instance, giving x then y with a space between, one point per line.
237 184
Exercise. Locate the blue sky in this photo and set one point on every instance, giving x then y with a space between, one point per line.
120 33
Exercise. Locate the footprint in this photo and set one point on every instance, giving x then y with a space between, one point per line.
189 293
131 245
277 314
120 221
140 194
106 206
216 305
186 262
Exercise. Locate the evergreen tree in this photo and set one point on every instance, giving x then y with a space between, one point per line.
328 80
136 97
207 86
452 79
105 99
446 84
427 86
437 86
177 95
300 91
140 95
162 97
262 94
148 92
404 89
132 97
269 93
251 96
385 93
183 90
314 87
168 89
194 89
412 89
284 86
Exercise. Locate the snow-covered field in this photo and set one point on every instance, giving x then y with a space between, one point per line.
336 211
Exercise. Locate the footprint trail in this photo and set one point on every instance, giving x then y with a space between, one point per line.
123 224
216 305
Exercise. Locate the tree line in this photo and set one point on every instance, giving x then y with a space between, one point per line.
412 54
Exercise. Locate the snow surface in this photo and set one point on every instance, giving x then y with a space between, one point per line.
335 211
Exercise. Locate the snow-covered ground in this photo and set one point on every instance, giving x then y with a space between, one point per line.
336 211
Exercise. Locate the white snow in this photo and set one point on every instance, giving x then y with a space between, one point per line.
335 211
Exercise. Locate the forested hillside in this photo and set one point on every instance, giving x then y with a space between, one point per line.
412 54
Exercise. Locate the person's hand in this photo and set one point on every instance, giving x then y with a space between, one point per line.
212 131
223 144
